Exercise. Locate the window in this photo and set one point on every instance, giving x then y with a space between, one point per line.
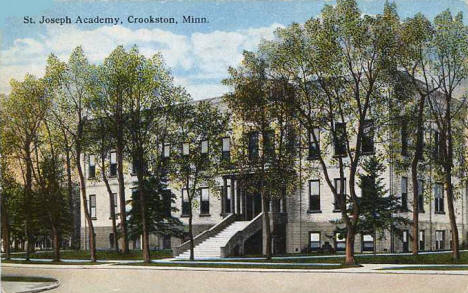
167 201
436 145
269 143
134 166
438 198
226 154
314 195
404 240
166 242
421 240
291 139
185 203
253 146
368 184
404 193
114 195
404 137
111 240
167 150
185 149
421 196
204 147
314 143
314 240
367 243
367 141
440 239
113 164
339 184
92 166
92 206
204 201
340 139
340 241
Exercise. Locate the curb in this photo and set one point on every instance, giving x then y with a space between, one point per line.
40 289
250 270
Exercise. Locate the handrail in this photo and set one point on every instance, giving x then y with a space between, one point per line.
252 227
205 234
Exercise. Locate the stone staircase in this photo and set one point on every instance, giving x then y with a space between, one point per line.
211 247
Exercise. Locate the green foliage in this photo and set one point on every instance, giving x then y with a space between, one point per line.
196 123
159 210
378 209
51 197
257 108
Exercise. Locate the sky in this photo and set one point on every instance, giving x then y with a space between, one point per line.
197 54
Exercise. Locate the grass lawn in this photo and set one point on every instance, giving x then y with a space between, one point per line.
31 262
439 258
101 254
26 279
428 268
242 266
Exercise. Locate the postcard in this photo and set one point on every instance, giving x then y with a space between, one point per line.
234 146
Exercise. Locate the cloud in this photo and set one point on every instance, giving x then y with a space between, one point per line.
201 59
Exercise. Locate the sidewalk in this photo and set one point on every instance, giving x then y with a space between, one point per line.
364 269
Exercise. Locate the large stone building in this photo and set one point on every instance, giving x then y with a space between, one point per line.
231 224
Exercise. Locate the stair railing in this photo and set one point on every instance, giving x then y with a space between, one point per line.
241 236
205 235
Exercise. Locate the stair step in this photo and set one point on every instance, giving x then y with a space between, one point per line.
211 247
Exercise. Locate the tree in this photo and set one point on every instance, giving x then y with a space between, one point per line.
111 87
255 106
378 208
200 129
52 196
98 132
338 65
449 56
23 112
69 84
152 103
415 39
159 209
11 196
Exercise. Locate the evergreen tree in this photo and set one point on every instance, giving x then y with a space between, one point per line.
159 219
378 208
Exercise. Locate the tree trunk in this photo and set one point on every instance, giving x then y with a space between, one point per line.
415 226
448 163
266 227
27 200
92 240
453 223
192 257
145 236
75 237
111 203
56 243
349 258
120 179
375 241
414 173
5 228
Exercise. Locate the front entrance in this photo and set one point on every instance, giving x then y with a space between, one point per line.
253 205
237 199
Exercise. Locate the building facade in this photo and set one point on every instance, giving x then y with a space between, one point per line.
303 221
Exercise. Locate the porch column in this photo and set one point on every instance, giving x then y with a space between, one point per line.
237 198
233 194
223 196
